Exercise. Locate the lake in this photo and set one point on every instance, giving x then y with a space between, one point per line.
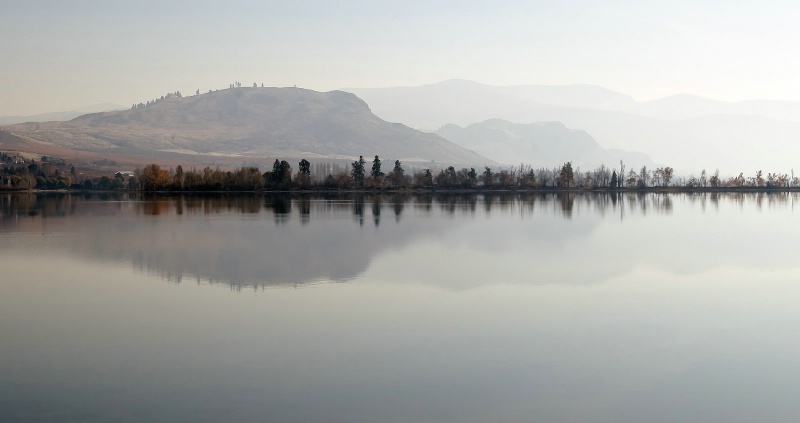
584 307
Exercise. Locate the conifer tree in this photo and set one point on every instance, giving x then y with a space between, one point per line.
376 168
357 172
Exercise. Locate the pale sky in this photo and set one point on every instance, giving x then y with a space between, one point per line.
60 55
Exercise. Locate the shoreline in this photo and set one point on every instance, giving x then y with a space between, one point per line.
481 190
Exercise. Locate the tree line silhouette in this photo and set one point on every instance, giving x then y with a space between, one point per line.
283 178
178 94
53 173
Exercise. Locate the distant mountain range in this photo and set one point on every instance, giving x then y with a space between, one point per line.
685 132
543 144
244 124
254 125
60 116
507 99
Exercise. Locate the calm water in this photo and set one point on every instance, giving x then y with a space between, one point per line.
582 308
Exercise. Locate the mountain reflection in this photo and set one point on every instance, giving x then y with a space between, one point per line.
284 240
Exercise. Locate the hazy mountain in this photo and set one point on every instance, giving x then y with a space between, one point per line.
60 116
246 123
541 144
465 102
686 132
684 106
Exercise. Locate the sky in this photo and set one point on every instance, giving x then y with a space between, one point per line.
61 55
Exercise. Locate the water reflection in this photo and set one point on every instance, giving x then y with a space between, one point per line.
62 204
256 240
468 308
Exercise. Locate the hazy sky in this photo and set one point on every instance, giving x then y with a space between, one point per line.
60 55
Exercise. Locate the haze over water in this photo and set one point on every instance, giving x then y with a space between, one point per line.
417 308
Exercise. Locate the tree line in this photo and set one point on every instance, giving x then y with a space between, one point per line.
363 176
52 173
49 173
178 94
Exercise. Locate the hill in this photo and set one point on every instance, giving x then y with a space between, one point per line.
541 144
243 125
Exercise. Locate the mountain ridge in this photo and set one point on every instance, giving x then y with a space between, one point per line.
539 144
678 131
248 123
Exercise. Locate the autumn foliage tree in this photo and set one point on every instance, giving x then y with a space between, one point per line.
153 178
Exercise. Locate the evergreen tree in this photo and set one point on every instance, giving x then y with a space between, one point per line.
281 174
285 173
376 168
305 167
488 176
398 174
427 178
276 168
357 172
567 176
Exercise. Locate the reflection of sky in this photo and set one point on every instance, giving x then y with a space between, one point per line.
97 342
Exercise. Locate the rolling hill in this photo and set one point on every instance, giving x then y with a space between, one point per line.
541 144
241 125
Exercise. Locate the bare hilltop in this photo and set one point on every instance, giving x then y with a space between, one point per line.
240 124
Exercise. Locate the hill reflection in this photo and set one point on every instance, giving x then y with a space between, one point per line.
285 240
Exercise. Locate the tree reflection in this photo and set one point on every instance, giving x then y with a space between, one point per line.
398 203
244 252
567 201
358 209
305 209
281 206
488 199
377 202
156 206
425 201
306 206
663 203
